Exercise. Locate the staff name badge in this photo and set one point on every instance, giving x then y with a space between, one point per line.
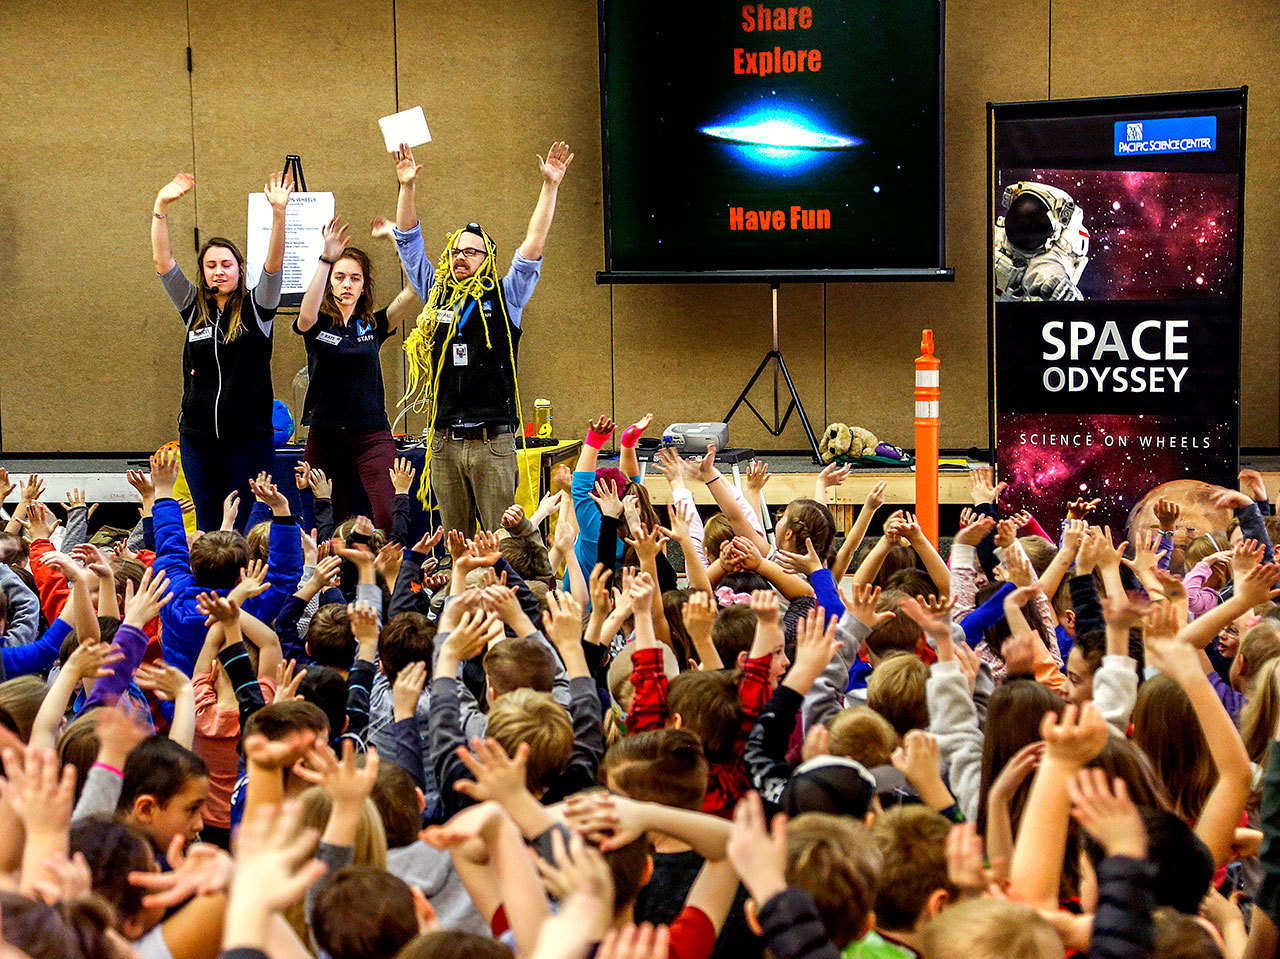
204 333
330 338
460 354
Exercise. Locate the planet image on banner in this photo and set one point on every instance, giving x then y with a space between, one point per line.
779 138
1197 514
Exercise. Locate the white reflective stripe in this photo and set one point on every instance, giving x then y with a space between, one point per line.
927 410
926 377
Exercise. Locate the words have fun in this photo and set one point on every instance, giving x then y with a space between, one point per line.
1088 357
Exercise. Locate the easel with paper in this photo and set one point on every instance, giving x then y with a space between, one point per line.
305 217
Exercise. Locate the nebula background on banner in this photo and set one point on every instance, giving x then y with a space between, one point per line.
1043 478
1152 235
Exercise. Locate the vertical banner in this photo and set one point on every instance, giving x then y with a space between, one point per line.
1115 242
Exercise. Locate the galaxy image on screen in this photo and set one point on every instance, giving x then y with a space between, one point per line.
1122 464
1152 235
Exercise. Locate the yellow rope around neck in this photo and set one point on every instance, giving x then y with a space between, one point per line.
448 296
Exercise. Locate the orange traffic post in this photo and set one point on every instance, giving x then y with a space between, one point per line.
927 394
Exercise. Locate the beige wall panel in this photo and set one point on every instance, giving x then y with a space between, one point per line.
685 351
1148 46
96 118
295 77
873 330
499 81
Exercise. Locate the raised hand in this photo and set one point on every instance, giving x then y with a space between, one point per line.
495 775
94 560
429 542
166 681
39 789
334 234
764 603
816 643
482 551
1080 508
631 435
862 604
402 475
288 678
808 562
278 753
343 781
302 475
981 487
642 588
267 493
1255 585
253 582
757 476
976 530
153 595
875 496
74 499
605 496
406 169
273 870
40 521
1107 814
382 228
833 474
141 482
230 510
1077 737
164 472
388 562
176 188
93 661
670 464
648 544
321 485
1252 485
1167 513
201 870
7 486
407 690
563 618
935 621
703 468
759 854
1246 555
278 188
1006 533
554 166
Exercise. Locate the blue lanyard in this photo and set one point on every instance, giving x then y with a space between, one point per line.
466 313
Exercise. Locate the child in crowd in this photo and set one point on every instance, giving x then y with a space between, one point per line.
1025 745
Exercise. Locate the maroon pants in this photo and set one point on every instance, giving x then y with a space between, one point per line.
349 457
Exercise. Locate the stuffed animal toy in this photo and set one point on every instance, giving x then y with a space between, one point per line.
845 443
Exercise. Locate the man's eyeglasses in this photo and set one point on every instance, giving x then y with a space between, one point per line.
458 251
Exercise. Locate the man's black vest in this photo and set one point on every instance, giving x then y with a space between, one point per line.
477 382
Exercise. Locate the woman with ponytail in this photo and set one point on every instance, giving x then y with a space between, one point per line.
225 432
462 352
345 407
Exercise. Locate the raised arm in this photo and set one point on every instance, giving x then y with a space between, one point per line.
874 500
553 170
335 241
277 189
161 248
407 173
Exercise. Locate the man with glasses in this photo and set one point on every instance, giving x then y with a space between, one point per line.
463 352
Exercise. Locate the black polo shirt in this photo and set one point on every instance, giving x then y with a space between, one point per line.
345 388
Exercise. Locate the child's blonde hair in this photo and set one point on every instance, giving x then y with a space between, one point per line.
863 735
990 929
836 861
528 716
896 690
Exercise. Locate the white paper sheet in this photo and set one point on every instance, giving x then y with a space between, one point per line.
407 126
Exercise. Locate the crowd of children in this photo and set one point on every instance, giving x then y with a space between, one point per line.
676 739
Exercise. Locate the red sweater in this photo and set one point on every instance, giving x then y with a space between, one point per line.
728 779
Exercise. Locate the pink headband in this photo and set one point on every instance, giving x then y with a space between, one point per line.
727 597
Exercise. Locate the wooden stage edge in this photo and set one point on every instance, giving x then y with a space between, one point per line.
900 487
